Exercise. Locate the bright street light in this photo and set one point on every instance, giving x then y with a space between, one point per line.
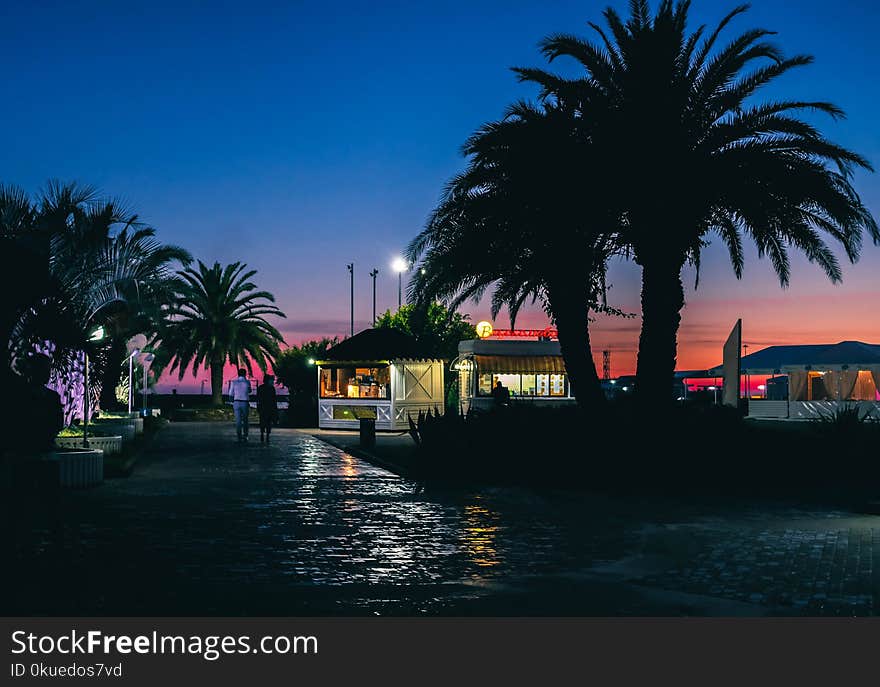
95 336
400 266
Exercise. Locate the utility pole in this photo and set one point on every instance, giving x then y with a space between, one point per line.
350 267
606 365
373 275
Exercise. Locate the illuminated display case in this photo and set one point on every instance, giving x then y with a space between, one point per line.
531 370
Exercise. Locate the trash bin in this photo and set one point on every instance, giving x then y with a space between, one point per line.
368 432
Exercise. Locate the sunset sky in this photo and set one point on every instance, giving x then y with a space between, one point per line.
298 137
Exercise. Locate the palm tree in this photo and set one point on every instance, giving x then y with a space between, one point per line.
108 269
28 282
675 128
527 220
147 282
218 316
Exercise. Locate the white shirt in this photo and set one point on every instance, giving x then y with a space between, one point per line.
241 389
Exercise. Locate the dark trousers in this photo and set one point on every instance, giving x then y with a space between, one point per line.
265 424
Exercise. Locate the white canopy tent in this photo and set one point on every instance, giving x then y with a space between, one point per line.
820 378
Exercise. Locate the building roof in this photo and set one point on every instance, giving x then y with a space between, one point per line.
776 359
374 345
518 347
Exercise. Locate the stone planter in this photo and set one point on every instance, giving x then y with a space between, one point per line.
110 445
133 419
124 428
78 467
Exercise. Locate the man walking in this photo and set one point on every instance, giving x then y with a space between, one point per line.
267 406
240 395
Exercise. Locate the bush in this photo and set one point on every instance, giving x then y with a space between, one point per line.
704 451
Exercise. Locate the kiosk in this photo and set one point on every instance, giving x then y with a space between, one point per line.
378 374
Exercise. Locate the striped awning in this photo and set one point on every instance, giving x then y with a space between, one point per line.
520 364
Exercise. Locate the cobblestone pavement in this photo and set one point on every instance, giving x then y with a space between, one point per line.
208 527
800 565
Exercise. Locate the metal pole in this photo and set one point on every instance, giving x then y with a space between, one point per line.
399 290
373 275
144 408
86 402
351 272
130 380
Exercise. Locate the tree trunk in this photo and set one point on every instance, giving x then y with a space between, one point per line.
662 301
217 383
573 325
112 374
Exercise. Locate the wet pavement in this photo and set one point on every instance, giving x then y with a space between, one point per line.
205 526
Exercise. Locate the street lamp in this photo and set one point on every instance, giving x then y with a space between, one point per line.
148 358
131 377
95 336
400 266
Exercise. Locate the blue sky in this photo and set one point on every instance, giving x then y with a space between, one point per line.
300 136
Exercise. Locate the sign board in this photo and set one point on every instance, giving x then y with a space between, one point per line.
731 364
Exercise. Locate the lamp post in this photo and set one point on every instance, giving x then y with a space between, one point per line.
148 358
131 377
95 336
400 266
373 275
350 267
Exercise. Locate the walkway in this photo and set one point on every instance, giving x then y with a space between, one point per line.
207 527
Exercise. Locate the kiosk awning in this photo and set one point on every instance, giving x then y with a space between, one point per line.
520 364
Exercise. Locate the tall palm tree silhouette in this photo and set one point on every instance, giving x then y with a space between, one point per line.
690 155
101 249
526 222
84 261
218 316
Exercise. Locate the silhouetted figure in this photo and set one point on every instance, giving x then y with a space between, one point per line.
170 406
501 395
267 406
41 416
240 395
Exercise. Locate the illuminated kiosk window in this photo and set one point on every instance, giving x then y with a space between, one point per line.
511 381
536 385
356 382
